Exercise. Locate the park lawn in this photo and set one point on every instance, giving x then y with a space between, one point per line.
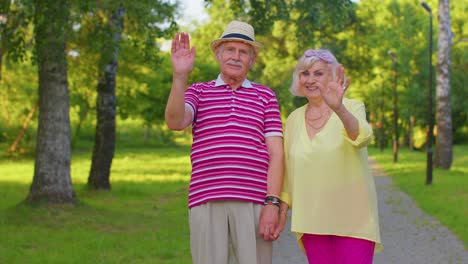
144 219
446 199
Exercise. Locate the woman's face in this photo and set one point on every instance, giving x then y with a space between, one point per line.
313 79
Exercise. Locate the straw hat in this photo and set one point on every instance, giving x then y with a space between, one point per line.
238 31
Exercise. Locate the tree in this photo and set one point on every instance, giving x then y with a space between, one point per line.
384 25
458 69
52 181
286 27
143 18
15 35
3 20
106 104
443 155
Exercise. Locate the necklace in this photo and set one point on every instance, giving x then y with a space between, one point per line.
323 115
317 118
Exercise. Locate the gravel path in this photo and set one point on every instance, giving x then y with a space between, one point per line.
409 235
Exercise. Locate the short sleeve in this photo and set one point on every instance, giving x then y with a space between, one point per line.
273 124
192 99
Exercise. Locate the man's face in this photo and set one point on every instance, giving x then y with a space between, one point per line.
235 59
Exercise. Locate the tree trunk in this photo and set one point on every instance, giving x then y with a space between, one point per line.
1 60
106 105
52 181
4 102
444 143
3 20
6 112
411 132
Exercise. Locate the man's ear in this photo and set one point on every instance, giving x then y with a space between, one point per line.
253 60
217 52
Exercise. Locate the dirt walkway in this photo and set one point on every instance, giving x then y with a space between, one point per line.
409 235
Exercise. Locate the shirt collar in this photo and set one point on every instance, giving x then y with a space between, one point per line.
219 82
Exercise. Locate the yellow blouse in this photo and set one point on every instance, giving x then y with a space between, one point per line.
327 183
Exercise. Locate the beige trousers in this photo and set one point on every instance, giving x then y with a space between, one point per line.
226 232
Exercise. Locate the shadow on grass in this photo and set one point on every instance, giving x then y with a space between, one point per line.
136 222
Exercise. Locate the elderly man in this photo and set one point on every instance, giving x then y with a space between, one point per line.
237 151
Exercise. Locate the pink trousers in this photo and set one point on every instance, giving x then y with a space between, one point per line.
329 249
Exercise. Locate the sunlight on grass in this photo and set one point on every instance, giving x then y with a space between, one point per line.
144 219
128 165
21 171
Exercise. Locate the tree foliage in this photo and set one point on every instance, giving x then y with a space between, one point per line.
360 34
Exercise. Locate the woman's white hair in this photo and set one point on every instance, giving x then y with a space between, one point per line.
306 61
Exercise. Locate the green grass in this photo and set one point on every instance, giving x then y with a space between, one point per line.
446 199
142 220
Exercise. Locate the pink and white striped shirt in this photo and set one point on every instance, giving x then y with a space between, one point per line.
229 155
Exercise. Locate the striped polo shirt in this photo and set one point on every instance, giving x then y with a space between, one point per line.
229 155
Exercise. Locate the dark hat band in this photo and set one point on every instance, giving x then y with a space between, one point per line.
237 35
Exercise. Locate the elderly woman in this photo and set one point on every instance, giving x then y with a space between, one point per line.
327 181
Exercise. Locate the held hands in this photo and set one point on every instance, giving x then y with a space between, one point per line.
269 222
283 217
333 93
182 56
272 221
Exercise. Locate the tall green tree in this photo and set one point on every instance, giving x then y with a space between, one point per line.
146 18
396 26
285 27
4 8
15 39
52 181
106 104
146 66
443 154
459 67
